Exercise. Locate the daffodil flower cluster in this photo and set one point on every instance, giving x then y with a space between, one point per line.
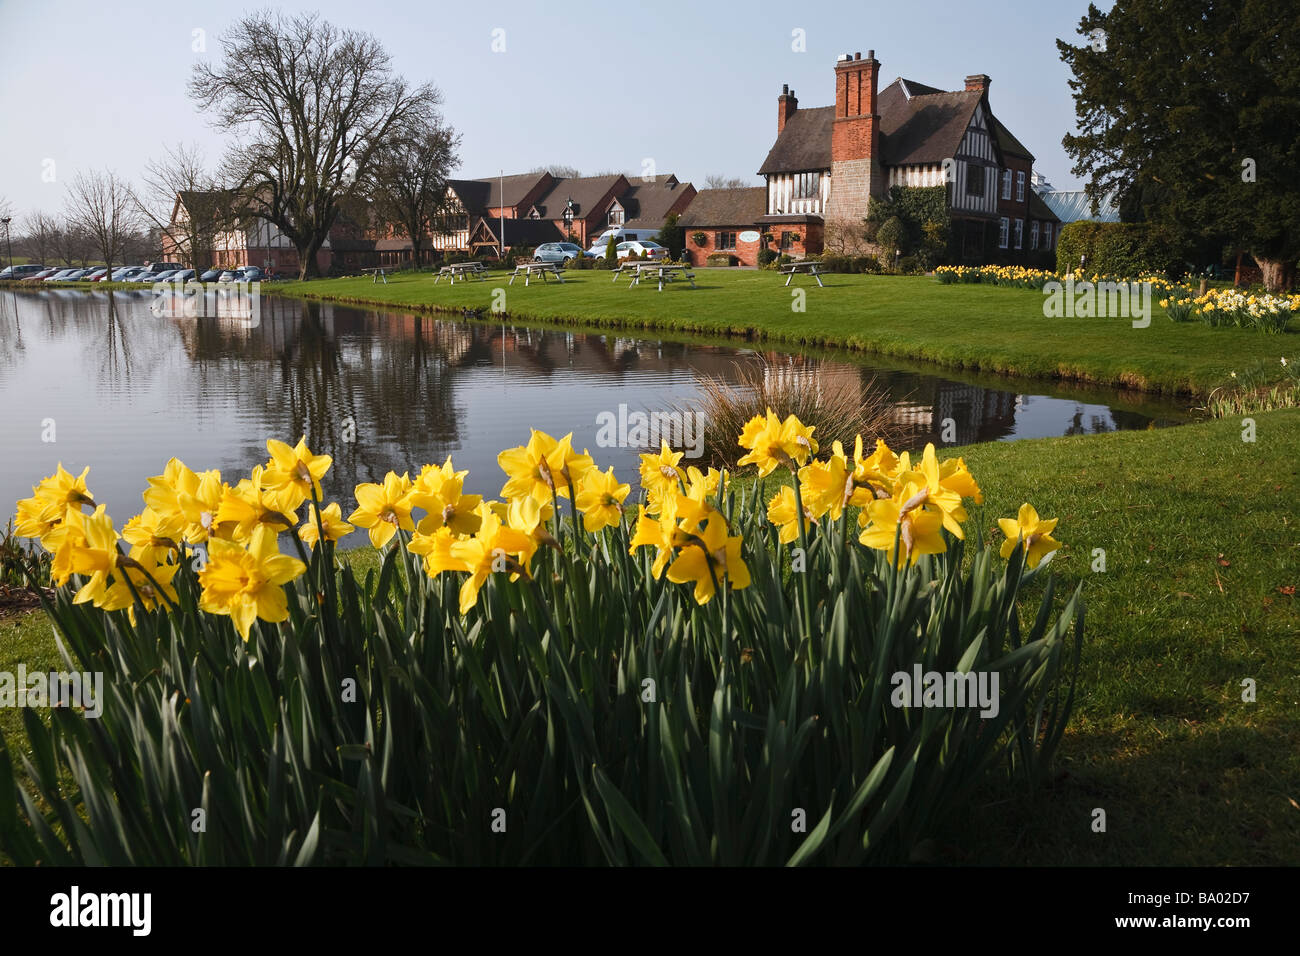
242 571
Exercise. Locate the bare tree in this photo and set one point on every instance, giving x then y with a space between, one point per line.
311 105
103 208
186 204
558 171
39 231
718 181
410 182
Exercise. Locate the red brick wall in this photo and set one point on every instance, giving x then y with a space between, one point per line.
854 134
746 252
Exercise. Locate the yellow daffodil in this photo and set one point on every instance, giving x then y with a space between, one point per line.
1035 532
294 473
153 536
601 500
331 520
701 485
659 532
435 548
151 581
61 491
661 473
382 509
250 503
543 468
931 490
438 492
489 551
708 555
94 555
827 486
783 511
247 584
917 528
772 442
28 522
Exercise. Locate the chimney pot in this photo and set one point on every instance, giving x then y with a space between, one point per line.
785 89
871 54
858 55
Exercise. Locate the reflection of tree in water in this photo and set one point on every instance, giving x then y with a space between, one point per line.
115 361
1097 424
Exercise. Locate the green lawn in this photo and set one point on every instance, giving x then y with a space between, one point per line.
978 327
1201 534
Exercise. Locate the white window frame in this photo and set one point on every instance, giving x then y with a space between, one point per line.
1047 235
1006 184
1004 232
1033 234
1020 186
1020 233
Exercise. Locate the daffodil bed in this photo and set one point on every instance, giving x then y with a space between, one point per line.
715 680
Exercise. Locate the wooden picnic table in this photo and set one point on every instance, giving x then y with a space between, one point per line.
543 269
665 272
462 270
811 267
377 273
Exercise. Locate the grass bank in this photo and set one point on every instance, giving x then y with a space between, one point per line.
976 327
1201 545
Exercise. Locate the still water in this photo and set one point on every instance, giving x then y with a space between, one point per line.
122 390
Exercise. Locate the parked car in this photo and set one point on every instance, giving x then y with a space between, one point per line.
212 275
22 272
252 274
167 275
42 275
620 234
165 266
127 273
94 274
64 275
183 275
564 252
652 250
235 275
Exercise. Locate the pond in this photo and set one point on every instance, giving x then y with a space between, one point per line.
85 380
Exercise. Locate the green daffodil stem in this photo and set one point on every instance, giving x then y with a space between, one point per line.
804 589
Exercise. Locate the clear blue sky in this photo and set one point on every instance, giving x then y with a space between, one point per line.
104 84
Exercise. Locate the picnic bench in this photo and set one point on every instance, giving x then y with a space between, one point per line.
462 271
807 266
543 269
377 273
665 272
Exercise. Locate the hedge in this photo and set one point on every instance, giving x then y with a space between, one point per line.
1120 248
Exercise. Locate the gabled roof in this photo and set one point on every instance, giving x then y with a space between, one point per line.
1072 205
520 232
472 193
1039 209
804 143
647 204
925 128
585 191
919 125
1008 143
726 207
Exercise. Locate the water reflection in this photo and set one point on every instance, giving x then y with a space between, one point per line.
379 391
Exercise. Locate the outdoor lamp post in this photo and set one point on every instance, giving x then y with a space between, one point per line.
568 219
6 220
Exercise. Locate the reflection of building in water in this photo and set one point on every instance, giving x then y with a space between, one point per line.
977 413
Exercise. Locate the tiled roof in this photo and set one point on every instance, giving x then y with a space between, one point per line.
726 207
585 191
804 144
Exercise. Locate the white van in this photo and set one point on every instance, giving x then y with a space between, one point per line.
620 235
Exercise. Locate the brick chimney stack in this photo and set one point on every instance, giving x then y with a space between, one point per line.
978 83
855 134
857 173
786 104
